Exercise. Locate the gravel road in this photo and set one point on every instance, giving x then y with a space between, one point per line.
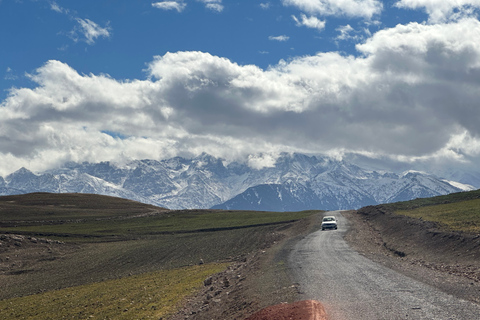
351 286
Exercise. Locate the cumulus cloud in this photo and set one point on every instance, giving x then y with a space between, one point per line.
350 8
170 5
442 10
309 22
412 93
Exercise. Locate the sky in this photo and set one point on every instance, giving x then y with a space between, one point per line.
103 80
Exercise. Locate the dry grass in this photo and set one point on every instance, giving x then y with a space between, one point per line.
458 216
147 296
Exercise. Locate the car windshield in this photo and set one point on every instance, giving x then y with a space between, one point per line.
329 219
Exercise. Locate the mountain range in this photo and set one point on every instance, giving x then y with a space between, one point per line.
295 182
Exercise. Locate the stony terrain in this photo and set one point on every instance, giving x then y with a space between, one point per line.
19 253
255 282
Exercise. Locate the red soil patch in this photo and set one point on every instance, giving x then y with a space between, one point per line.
300 310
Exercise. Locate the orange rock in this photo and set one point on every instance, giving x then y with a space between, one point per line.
300 310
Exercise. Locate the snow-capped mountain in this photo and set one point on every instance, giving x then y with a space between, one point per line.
295 182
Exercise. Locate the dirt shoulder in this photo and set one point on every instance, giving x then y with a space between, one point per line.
419 249
251 283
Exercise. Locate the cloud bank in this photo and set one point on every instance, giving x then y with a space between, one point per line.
412 93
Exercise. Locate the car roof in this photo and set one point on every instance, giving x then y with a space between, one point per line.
330 217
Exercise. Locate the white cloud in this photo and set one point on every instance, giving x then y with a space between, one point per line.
260 161
265 5
412 94
350 8
170 5
348 33
344 32
214 5
10 74
90 30
281 38
309 22
442 10
55 7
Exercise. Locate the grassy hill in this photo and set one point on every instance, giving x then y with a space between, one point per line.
43 207
456 212
86 251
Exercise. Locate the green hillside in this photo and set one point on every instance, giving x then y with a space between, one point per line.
457 211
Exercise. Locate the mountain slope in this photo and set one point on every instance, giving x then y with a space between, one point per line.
295 182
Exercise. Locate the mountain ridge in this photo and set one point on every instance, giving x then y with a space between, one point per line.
295 182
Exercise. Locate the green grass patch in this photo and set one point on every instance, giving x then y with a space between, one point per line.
458 216
171 222
422 202
147 296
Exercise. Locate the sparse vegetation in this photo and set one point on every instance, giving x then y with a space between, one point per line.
54 208
457 212
423 202
458 216
147 296
186 221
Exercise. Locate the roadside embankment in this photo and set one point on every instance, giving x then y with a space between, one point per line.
448 260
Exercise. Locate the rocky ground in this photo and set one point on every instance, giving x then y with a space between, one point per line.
419 249
19 253
254 282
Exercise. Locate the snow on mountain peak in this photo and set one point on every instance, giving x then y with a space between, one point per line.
461 186
413 172
287 182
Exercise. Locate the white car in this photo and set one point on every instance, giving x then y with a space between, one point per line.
329 222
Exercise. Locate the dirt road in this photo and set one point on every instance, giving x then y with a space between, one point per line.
351 286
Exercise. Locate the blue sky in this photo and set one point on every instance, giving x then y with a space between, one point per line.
131 33
120 80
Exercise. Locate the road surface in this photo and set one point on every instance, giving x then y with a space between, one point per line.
352 287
